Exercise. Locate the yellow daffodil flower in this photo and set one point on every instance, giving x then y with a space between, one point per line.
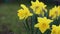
54 12
43 24
55 29
59 9
24 13
38 7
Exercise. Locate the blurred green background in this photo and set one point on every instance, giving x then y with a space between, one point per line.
9 22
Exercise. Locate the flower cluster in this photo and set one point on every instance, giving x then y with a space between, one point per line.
39 8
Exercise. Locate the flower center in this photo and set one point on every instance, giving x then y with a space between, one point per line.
54 32
43 25
37 7
59 32
56 12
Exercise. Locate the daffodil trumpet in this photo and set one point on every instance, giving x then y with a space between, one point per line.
43 24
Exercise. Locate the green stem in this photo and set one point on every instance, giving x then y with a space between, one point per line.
27 23
26 26
32 25
34 21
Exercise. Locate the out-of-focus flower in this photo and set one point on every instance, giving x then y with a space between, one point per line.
59 9
24 13
38 7
55 29
43 24
54 12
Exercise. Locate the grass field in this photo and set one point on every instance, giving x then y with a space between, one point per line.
8 19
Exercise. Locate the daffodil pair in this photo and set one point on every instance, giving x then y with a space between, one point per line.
24 13
38 8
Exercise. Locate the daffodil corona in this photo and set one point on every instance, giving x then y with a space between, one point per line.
54 12
55 29
43 24
24 13
38 7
